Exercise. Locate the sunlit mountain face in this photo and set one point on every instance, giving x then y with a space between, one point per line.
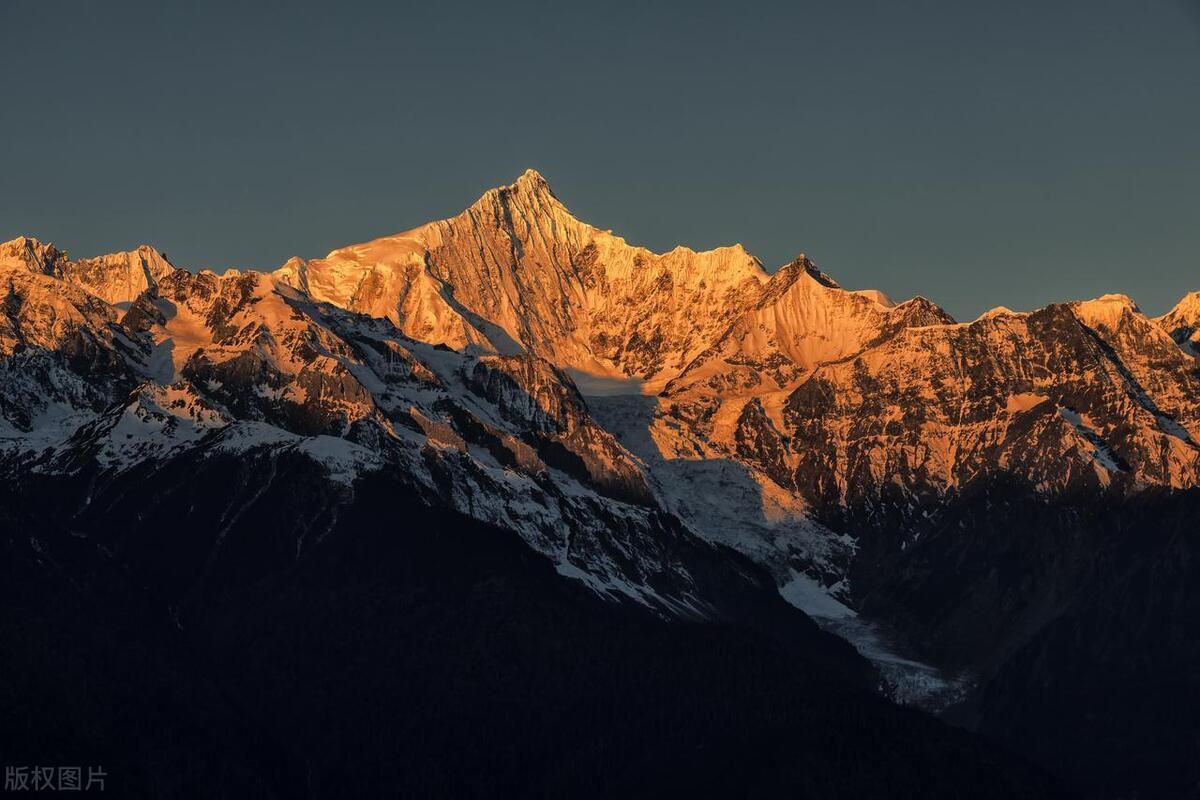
505 505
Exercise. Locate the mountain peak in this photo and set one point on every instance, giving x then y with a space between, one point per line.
532 185
1188 308
1182 322
21 241
31 254
789 273
811 269
1106 311
530 193
531 178
1111 300
118 277
530 182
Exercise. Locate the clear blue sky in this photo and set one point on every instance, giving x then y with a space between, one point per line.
978 153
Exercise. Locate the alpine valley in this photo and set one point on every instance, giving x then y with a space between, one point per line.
506 506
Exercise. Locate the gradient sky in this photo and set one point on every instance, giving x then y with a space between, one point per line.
978 153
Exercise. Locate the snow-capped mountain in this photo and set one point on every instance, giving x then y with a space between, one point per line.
447 345
199 364
680 432
517 272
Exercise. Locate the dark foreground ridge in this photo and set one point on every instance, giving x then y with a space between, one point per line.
430 656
